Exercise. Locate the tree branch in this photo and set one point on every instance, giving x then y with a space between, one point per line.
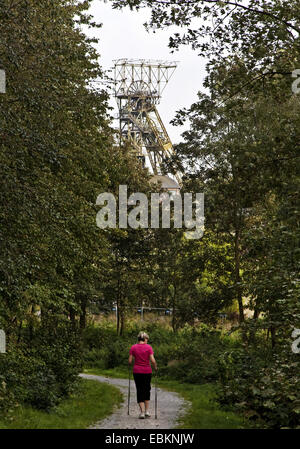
230 3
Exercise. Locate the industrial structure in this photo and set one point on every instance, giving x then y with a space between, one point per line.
138 88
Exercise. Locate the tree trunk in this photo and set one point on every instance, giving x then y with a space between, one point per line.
237 256
30 324
174 327
253 331
72 316
20 331
122 320
273 336
118 316
82 319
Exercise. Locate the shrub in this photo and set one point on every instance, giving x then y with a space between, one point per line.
263 385
42 369
43 389
96 358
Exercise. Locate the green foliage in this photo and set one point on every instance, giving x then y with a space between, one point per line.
195 354
264 386
205 412
258 30
27 380
55 146
59 346
43 371
43 390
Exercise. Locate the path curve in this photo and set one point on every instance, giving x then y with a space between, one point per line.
170 406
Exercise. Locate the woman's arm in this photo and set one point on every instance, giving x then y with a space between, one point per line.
153 361
130 359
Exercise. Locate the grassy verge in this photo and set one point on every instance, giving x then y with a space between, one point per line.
113 372
205 412
92 403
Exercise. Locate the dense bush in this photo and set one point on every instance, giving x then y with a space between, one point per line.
26 380
42 369
59 346
41 389
96 337
262 384
194 354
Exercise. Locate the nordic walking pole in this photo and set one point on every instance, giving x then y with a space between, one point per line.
156 394
128 389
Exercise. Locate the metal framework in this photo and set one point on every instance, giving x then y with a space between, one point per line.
138 88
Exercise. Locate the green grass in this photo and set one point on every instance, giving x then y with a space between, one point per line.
92 403
113 372
205 412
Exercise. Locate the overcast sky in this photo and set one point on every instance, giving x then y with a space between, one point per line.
124 36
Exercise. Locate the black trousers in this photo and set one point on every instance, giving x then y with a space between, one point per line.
143 386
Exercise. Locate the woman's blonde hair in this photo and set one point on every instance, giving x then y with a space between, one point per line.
143 336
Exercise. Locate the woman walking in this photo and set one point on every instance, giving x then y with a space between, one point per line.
142 371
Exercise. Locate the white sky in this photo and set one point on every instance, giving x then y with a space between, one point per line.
124 36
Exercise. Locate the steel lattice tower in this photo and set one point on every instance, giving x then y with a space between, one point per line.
138 88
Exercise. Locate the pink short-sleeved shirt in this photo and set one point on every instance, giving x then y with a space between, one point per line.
141 353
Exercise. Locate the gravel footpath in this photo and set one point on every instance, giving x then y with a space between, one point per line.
170 406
